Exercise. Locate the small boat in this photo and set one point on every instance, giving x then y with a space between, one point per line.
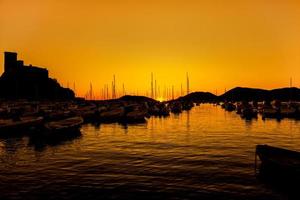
64 125
112 115
163 111
135 116
88 115
20 124
187 105
271 113
87 112
289 112
230 107
248 113
176 107
277 162
160 110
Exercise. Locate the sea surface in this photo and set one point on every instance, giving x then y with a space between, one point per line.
206 153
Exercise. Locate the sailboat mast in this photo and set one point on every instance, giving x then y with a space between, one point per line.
152 85
187 84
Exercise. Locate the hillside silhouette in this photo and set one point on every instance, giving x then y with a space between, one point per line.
246 94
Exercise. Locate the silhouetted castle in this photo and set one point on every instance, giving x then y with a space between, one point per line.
20 81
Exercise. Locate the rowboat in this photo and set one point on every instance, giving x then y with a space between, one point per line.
20 124
64 125
277 162
112 115
135 116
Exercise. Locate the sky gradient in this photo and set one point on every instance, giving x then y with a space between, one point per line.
221 44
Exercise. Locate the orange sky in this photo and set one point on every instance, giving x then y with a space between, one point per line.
222 44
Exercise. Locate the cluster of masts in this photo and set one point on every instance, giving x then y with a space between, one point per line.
169 92
156 91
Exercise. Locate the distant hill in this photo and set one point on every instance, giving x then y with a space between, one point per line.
250 94
136 98
285 94
199 97
247 94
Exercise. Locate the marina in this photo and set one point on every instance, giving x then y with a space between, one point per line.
23 115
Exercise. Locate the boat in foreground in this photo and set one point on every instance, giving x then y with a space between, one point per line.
279 168
278 162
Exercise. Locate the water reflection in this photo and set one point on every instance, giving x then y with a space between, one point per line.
248 124
188 121
204 153
97 126
11 145
41 141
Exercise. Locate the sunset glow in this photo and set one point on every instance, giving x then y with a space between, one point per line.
149 99
221 44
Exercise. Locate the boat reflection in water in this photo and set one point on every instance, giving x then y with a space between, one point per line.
40 142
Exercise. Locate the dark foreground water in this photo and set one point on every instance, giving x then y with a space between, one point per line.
206 153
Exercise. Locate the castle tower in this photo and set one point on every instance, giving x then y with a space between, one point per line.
10 61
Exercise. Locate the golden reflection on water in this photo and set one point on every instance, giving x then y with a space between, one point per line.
206 125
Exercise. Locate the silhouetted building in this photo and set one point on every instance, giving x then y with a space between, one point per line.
10 61
14 67
21 81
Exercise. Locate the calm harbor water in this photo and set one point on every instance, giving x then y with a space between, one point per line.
204 153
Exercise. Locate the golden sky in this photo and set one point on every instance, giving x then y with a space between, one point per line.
221 44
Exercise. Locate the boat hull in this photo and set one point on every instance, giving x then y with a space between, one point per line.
278 163
64 126
24 124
